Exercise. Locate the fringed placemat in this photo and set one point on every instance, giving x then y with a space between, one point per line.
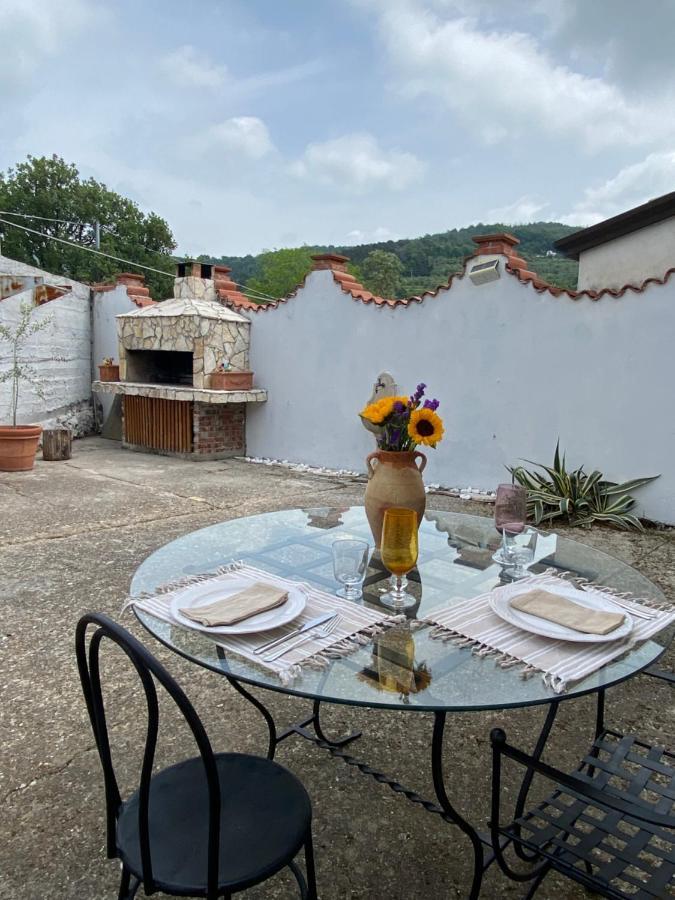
473 624
356 626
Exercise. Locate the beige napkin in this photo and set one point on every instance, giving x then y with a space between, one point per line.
562 611
257 598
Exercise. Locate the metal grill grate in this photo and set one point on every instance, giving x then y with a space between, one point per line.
158 424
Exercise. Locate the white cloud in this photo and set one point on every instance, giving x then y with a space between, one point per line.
525 209
505 82
381 233
187 66
245 136
358 162
631 186
35 29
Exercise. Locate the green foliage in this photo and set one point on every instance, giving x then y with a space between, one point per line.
50 187
280 272
381 273
19 369
428 261
579 498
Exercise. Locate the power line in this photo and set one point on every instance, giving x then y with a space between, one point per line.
52 237
127 262
4 212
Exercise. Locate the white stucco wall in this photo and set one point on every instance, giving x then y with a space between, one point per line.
513 370
646 253
107 305
61 353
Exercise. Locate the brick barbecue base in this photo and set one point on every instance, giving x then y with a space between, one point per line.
219 431
210 431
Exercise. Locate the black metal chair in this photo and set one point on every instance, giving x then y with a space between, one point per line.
209 826
609 826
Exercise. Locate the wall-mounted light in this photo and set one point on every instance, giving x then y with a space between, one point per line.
481 273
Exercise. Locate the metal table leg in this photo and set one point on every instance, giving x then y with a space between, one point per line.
479 862
299 728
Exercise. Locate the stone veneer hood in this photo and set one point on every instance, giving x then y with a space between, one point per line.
186 306
204 327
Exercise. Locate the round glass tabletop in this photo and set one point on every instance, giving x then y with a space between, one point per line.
404 668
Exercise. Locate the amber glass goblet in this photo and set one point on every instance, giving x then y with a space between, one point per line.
399 553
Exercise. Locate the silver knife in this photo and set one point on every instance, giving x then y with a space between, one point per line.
313 623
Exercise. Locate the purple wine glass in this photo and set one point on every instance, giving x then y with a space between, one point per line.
510 515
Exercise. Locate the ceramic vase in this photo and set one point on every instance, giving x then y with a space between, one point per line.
394 479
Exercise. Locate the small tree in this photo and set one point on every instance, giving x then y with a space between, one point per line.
381 272
281 271
19 369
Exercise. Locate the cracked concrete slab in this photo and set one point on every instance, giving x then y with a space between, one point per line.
72 536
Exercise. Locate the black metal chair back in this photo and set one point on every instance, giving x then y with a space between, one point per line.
610 825
150 672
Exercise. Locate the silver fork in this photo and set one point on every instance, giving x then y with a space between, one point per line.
639 613
322 632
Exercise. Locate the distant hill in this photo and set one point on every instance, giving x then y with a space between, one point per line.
428 260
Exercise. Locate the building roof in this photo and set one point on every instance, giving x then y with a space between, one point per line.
640 216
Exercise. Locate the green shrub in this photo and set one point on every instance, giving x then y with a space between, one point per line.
580 498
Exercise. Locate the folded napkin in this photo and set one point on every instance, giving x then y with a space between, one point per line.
258 598
563 611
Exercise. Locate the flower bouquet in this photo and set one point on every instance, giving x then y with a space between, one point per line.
400 425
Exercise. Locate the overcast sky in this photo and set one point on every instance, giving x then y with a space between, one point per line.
252 124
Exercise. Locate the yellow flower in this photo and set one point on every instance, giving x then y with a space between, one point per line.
425 427
381 409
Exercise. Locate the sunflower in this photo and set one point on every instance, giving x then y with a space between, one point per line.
425 427
380 410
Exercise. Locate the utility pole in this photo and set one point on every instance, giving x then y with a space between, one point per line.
97 235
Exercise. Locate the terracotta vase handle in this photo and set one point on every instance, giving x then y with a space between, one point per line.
423 458
374 455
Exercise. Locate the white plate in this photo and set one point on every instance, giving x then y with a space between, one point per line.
500 603
200 594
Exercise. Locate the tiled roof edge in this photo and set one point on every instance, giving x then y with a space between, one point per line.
353 289
541 286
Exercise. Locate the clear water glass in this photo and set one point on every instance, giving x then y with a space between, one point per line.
523 554
350 562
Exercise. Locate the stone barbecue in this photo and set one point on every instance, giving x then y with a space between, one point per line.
167 352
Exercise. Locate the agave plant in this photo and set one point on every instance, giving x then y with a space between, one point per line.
581 498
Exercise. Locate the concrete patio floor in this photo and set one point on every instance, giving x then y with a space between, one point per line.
71 536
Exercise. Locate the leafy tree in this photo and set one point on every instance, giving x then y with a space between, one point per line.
280 271
381 272
51 187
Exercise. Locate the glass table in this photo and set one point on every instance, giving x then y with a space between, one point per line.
404 668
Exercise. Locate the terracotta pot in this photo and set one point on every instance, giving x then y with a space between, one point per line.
18 446
394 480
109 373
231 381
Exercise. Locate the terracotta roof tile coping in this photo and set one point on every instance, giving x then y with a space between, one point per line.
135 285
515 266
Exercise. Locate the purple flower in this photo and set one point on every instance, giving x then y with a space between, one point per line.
395 435
431 404
399 407
414 401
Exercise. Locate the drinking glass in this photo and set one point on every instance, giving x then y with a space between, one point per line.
510 516
350 561
523 554
399 553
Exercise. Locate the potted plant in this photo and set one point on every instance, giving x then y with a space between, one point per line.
108 370
224 379
18 443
